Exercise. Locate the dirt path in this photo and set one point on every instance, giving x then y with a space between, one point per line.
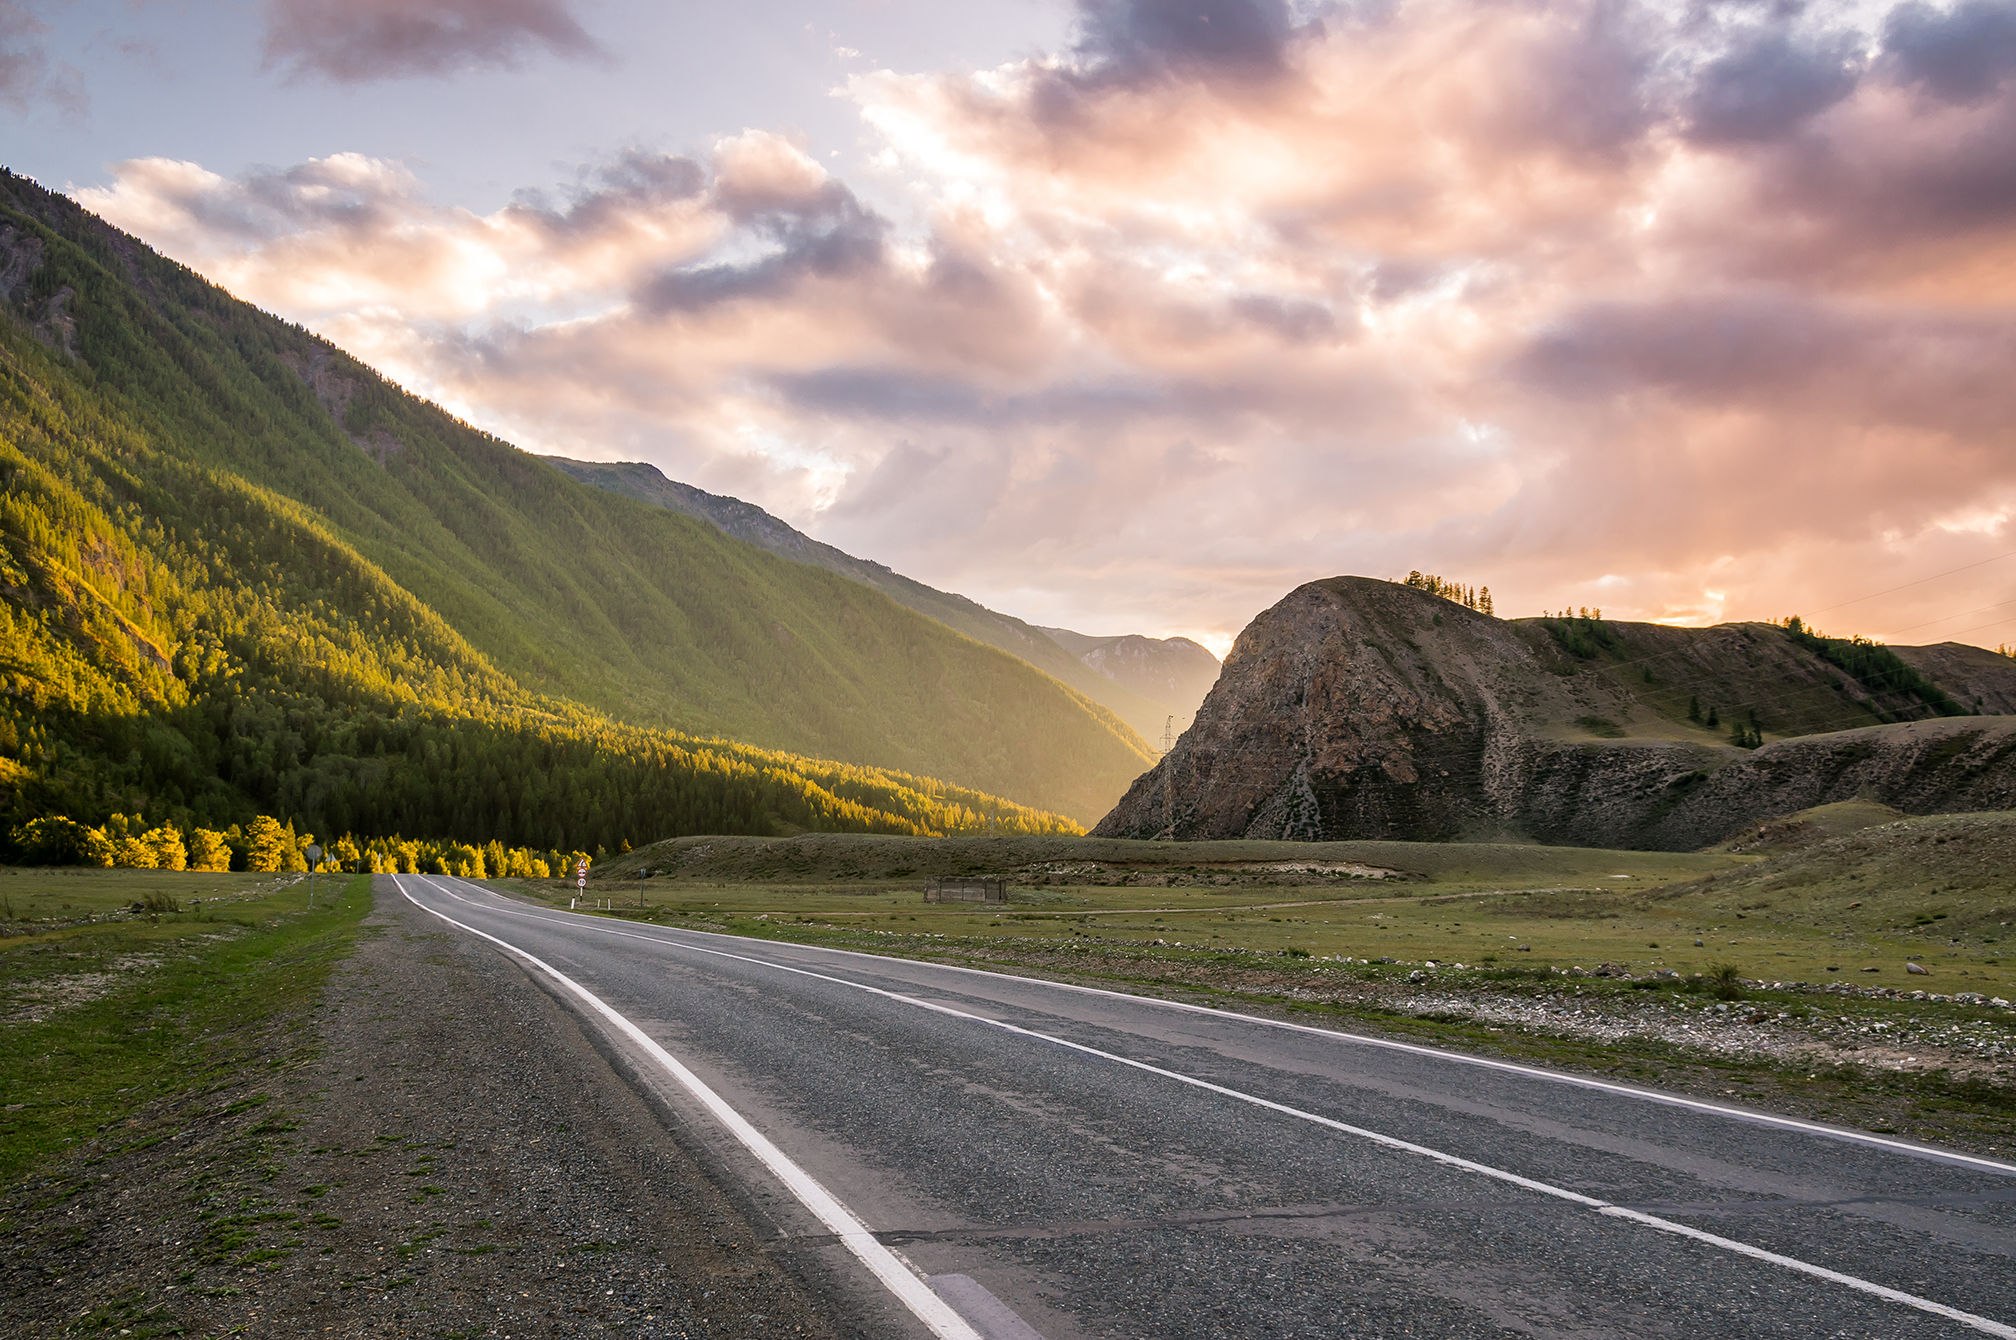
439 1151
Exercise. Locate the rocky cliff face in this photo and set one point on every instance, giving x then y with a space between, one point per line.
1361 709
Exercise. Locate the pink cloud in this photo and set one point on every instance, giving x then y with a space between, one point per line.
1684 312
357 41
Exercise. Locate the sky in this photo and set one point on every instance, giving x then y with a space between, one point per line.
1133 315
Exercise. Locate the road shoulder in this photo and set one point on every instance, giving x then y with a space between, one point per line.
439 1149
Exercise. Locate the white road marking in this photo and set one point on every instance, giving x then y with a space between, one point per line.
1338 1035
895 1274
1985 1325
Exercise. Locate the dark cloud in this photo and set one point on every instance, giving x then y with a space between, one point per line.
826 235
1792 355
1769 84
1296 320
898 394
1579 79
28 77
357 41
1131 39
1889 189
638 180
887 393
21 57
1960 54
1127 44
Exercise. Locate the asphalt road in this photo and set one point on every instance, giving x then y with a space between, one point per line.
997 1156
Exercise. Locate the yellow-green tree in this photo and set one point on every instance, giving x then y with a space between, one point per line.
344 853
132 853
170 851
208 850
267 845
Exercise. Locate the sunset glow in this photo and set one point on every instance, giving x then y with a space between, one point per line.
1696 312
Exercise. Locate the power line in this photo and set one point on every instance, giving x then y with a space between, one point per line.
1964 567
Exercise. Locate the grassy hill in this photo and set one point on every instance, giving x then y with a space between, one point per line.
1144 705
1934 878
238 567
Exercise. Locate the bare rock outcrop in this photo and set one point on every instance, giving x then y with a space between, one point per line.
1361 709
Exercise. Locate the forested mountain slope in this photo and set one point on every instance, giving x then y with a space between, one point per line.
1363 709
1109 671
237 565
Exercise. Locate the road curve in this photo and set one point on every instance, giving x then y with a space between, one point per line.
1006 1158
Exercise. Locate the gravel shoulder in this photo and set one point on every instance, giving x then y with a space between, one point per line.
440 1150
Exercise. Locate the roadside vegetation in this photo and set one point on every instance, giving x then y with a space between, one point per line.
119 989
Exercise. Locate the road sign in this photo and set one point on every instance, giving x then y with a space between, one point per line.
314 853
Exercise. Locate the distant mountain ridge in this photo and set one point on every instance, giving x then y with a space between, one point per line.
1172 671
239 568
1143 680
1363 709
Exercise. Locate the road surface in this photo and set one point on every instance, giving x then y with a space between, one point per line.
1000 1157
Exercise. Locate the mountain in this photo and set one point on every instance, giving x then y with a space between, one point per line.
1173 672
1363 709
1144 682
238 567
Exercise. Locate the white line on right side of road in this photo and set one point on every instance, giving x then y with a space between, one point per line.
894 1274
1339 1035
1984 1325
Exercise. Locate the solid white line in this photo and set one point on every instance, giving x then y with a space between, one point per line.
1985 1325
895 1274
1335 1034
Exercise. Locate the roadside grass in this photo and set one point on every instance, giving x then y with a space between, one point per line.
37 899
1034 862
108 1014
1642 926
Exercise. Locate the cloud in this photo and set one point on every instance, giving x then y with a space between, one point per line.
28 74
1770 84
1668 308
358 41
1962 54
1131 39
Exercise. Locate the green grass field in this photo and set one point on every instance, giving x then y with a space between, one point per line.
104 1009
1844 898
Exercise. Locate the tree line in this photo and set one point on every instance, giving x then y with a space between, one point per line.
268 845
1469 597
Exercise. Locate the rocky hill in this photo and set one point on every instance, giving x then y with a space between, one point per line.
1142 680
1360 709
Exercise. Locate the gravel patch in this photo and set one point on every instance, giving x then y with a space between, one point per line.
440 1151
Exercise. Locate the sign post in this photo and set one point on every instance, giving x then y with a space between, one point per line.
580 881
314 855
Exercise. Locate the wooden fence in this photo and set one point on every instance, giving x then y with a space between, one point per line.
966 891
